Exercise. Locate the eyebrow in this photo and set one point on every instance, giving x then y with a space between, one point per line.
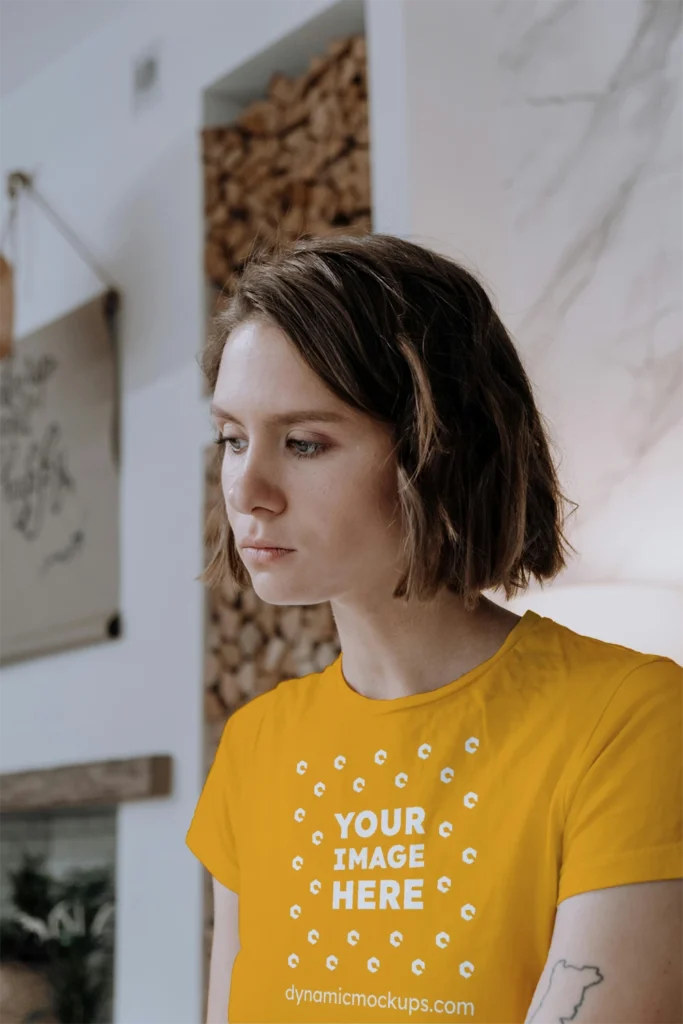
285 418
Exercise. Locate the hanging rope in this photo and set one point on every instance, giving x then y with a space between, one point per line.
18 180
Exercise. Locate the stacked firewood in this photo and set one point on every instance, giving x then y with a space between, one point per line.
250 645
293 163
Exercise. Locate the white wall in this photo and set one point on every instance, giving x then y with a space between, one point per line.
35 34
435 89
590 148
130 185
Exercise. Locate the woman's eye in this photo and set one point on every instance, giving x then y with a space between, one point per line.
229 442
313 448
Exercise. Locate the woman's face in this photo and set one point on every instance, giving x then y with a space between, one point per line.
321 484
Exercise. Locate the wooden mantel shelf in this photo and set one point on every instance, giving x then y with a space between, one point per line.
96 783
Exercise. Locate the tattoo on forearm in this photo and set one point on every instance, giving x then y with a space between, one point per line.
573 982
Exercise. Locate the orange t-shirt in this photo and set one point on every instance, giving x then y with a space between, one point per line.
402 860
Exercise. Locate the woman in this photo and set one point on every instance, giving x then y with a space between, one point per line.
399 830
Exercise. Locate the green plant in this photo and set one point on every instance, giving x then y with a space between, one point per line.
65 927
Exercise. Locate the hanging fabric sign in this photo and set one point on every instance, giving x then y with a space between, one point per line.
6 307
59 484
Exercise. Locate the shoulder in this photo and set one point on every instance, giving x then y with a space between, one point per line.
600 699
597 669
281 707
620 713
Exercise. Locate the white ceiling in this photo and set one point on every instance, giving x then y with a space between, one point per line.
35 32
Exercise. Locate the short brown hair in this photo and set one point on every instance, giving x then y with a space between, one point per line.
411 338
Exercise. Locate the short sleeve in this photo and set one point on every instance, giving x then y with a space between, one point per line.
625 818
211 836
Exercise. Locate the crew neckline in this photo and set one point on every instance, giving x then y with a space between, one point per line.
347 697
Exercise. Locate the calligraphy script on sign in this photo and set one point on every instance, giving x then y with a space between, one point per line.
34 466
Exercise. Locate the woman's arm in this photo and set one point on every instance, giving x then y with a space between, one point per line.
224 949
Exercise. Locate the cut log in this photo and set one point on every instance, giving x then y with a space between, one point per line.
282 90
214 709
230 656
246 678
251 639
324 655
229 690
211 669
274 653
230 622
261 118
250 601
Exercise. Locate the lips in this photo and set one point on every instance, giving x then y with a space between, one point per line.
265 556
262 545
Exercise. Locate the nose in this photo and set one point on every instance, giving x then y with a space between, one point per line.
248 488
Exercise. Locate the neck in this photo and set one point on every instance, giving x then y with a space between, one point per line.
397 648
